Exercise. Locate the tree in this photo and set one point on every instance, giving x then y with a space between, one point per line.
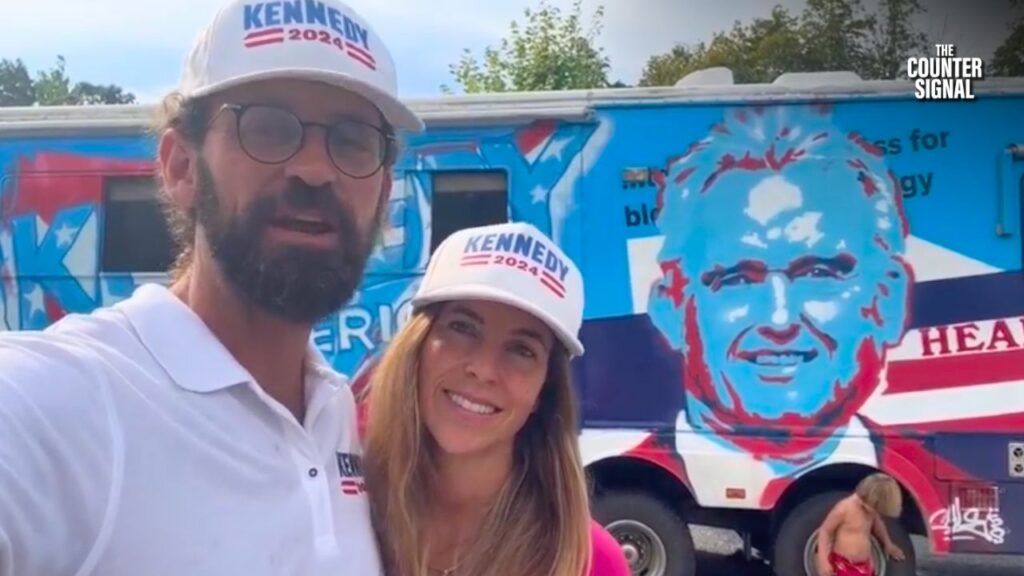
835 34
1008 59
666 69
53 87
827 35
16 88
761 50
894 39
755 52
549 52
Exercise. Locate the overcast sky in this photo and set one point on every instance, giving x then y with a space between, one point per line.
140 44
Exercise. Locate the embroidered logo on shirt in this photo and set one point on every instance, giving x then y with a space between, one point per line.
351 471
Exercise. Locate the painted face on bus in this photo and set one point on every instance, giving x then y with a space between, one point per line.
792 295
482 368
291 191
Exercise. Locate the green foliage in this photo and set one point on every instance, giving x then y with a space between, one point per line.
834 35
759 51
16 86
53 87
666 69
1008 59
549 52
893 39
827 35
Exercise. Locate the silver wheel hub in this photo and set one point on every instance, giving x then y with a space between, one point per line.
644 550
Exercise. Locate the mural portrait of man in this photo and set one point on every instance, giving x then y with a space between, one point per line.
783 279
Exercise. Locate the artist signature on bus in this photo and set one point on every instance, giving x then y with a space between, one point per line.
957 523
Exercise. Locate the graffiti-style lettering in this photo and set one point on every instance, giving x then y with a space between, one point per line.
957 523
46 265
354 325
360 329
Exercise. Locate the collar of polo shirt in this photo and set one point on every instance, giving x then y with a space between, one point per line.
190 353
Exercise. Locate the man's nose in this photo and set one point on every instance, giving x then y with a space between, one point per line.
312 164
779 336
781 315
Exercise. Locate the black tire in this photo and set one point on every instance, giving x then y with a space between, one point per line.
798 529
656 540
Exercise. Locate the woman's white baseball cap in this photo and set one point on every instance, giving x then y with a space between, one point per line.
319 40
514 264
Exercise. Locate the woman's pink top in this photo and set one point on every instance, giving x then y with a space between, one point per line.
606 554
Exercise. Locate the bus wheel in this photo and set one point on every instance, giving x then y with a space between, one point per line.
653 537
796 543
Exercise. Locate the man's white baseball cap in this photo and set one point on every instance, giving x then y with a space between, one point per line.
514 264
318 40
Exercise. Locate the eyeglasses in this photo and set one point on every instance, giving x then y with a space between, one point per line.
273 135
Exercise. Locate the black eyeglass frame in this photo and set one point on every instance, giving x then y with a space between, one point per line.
387 153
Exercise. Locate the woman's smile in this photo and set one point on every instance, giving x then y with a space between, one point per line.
469 404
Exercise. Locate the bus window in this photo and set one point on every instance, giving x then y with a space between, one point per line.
136 237
467 199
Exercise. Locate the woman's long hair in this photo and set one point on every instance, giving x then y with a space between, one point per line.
539 525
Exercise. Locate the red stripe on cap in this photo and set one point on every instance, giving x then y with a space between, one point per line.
553 280
547 283
272 40
358 57
359 49
267 32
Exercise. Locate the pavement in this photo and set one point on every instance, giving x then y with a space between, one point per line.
720 552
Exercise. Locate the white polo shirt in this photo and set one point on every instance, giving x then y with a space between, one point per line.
132 443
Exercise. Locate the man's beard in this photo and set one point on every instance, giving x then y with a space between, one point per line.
296 283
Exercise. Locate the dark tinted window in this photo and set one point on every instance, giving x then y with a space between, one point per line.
135 233
467 199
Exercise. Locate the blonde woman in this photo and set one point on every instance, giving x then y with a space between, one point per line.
844 539
471 454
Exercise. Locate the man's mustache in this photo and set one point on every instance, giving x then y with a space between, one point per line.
299 195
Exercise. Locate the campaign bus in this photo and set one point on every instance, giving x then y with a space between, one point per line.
789 286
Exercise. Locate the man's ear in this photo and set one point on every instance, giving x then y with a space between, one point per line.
177 169
894 301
